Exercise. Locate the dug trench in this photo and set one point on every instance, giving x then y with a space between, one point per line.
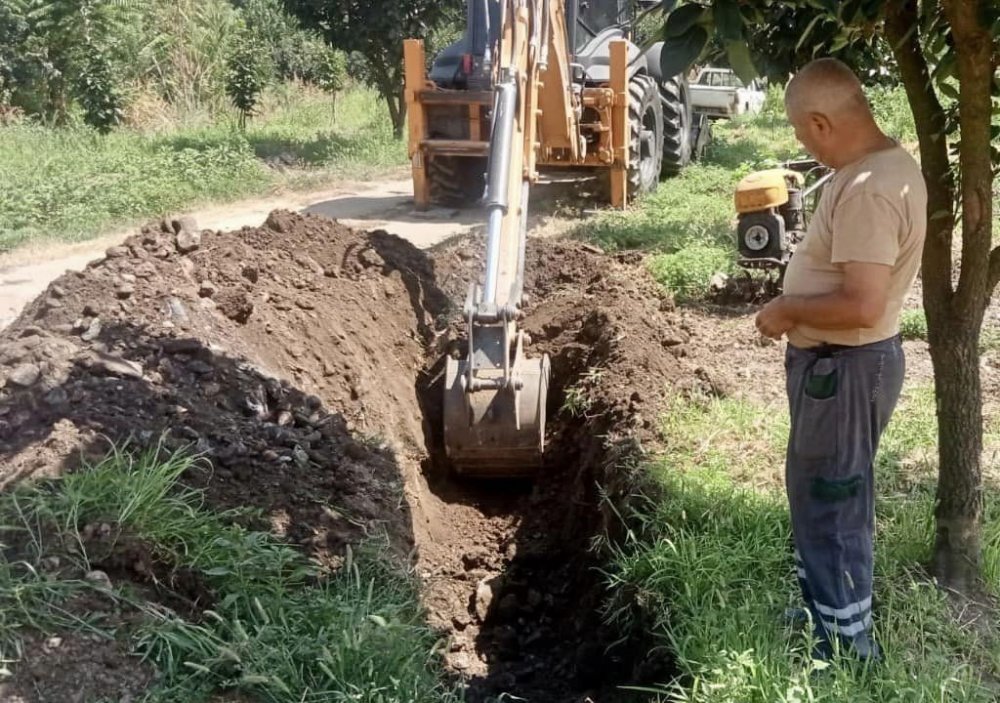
303 360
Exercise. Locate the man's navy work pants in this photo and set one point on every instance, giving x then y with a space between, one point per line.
840 399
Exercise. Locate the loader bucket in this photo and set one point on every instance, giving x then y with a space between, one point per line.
496 433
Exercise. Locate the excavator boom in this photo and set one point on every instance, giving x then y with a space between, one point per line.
539 114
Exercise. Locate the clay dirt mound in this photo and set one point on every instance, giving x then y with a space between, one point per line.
303 359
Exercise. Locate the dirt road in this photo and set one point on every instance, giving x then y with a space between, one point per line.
387 204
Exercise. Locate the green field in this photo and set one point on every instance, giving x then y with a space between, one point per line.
71 184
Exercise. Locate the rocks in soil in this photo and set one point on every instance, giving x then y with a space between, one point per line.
187 236
24 375
483 599
116 366
99 579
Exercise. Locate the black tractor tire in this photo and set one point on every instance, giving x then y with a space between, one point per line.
645 121
677 118
456 181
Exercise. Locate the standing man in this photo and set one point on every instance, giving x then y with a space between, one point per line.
843 291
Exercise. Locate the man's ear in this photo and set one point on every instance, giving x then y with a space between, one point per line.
820 123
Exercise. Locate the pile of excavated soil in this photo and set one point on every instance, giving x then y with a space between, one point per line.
304 360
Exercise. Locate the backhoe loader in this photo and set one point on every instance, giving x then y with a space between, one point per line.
532 85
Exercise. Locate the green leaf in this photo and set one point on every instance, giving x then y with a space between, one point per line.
842 40
680 52
948 90
728 22
682 19
740 60
805 34
829 6
378 620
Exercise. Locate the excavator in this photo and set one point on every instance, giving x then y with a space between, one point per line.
532 85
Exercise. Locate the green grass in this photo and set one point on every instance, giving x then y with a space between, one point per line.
72 184
709 566
913 324
279 629
688 223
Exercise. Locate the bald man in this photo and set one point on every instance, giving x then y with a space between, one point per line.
843 291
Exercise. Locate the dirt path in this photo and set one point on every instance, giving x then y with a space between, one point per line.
387 204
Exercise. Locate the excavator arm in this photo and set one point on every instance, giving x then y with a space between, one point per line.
495 397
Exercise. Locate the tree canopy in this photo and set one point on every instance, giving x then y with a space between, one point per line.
377 31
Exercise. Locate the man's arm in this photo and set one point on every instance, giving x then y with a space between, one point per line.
859 303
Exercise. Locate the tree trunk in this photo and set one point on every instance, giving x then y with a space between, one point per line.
956 562
954 317
389 86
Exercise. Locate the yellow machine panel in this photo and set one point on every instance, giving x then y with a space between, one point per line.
765 189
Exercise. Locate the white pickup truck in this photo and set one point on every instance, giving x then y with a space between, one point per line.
718 92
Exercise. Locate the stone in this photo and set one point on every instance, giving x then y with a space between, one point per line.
371 258
57 291
116 252
251 273
24 375
93 330
177 311
484 599
125 290
207 289
181 346
99 578
284 418
200 367
300 456
116 366
187 240
305 304
57 396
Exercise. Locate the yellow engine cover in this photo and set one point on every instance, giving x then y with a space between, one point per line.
765 189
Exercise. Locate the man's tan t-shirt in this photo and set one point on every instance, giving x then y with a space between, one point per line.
872 211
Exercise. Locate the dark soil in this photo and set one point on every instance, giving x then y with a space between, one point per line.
303 359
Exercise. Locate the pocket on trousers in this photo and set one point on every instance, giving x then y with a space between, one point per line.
817 425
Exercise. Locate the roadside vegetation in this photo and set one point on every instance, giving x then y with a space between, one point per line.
72 183
272 625
112 112
710 564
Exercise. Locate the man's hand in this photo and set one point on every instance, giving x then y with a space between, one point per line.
774 319
859 303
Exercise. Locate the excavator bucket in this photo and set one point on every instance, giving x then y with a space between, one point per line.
496 433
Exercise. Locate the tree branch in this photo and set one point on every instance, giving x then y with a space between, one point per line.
974 53
901 22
